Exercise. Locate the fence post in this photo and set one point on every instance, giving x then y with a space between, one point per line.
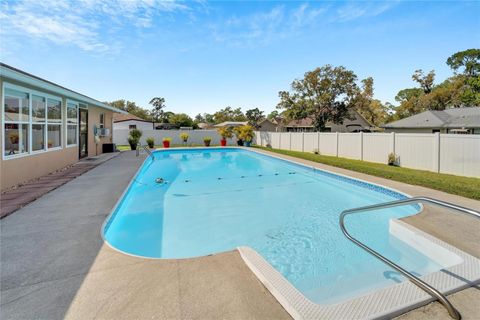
336 149
303 141
318 142
361 145
290 141
436 152
392 143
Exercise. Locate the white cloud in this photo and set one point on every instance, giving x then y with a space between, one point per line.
357 10
79 22
261 28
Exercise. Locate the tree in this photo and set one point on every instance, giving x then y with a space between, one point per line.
181 120
157 112
131 108
324 94
371 109
409 102
424 80
273 115
254 116
229 114
467 59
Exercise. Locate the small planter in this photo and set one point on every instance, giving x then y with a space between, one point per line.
166 143
247 143
240 142
207 143
223 142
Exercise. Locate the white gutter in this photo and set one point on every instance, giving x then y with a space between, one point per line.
33 81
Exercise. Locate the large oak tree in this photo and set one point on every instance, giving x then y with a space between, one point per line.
324 94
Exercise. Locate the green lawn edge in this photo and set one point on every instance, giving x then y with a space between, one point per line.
463 186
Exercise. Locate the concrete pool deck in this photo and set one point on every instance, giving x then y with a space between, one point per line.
55 265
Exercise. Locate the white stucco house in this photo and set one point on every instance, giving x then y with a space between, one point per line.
129 121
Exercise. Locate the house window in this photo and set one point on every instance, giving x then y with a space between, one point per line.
54 123
16 124
32 121
132 126
72 123
38 122
102 120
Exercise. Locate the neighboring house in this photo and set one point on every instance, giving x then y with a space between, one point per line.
46 127
129 121
165 126
268 125
457 120
231 124
356 124
205 126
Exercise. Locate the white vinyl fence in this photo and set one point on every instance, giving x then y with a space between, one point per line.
445 153
120 136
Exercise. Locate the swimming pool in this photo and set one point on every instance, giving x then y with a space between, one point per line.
193 202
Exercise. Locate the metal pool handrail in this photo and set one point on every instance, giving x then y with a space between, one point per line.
146 149
420 283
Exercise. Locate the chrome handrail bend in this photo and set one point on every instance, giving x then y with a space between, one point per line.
417 281
146 149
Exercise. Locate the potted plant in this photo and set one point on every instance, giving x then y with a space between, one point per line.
238 134
134 138
225 133
246 133
14 138
166 142
184 137
207 141
151 142
392 159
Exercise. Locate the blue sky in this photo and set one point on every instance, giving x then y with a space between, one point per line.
203 56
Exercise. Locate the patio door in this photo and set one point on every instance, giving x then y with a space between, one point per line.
83 134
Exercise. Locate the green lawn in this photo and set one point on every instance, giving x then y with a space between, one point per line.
462 186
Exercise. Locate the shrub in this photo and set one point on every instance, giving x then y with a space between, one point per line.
136 134
225 132
207 139
184 136
134 138
150 142
392 159
246 133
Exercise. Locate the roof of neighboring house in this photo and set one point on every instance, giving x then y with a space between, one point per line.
204 125
308 122
231 124
22 76
468 117
118 117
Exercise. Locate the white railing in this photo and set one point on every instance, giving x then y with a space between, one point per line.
445 153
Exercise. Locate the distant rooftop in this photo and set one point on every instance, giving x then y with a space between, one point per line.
118 117
449 118
231 124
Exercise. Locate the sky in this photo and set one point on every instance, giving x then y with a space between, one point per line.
203 56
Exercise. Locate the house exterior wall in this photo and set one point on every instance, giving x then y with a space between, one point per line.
141 125
22 168
268 126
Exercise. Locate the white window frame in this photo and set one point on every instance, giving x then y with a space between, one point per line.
76 124
30 92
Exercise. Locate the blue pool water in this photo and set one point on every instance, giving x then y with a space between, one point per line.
215 200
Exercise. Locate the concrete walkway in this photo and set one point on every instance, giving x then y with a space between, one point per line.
16 198
55 265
